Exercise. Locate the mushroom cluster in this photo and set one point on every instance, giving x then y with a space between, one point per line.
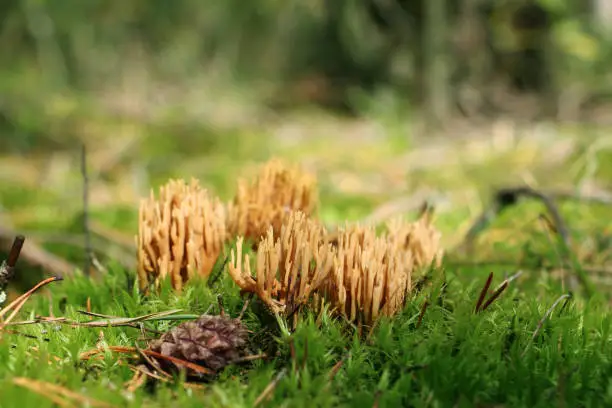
180 234
359 273
277 190
289 267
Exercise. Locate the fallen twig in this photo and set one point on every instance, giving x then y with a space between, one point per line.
270 387
109 321
13 256
177 361
123 321
246 359
153 363
86 355
58 394
503 262
86 230
565 297
216 273
506 197
35 255
7 268
509 196
18 303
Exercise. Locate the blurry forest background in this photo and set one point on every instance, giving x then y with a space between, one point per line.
236 61
182 88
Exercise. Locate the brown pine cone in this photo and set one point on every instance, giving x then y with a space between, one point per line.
210 341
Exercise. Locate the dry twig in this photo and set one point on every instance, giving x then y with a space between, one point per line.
58 394
18 303
566 297
267 392
35 255
7 268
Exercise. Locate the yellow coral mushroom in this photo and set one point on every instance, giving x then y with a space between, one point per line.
277 190
420 238
370 278
179 235
289 268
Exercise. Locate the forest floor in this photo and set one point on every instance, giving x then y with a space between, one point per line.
516 353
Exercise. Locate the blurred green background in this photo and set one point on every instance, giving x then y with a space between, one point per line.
389 102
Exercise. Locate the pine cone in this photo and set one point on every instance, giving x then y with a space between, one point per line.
210 341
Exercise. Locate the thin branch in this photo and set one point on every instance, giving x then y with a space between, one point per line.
18 303
506 197
15 251
505 262
7 269
565 297
154 363
246 359
52 391
270 388
510 196
35 255
245 306
86 229
216 273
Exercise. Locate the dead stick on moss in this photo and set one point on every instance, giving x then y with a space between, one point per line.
507 197
152 362
217 272
246 359
86 230
18 303
245 306
7 269
549 229
54 391
566 297
180 362
37 256
505 262
15 251
270 387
